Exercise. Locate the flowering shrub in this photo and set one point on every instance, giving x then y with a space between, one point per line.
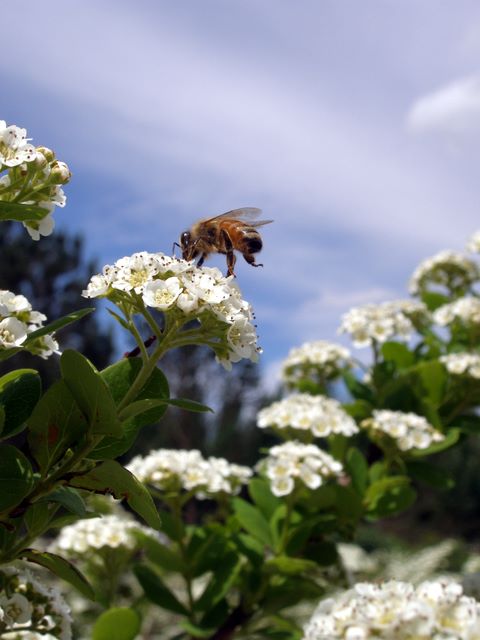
265 538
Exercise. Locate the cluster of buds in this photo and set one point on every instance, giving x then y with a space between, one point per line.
294 464
17 321
397 610
315 360
381 322
31 176
176 471
465 310
28 609
183 292
448 270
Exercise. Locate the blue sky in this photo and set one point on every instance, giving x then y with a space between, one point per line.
354 125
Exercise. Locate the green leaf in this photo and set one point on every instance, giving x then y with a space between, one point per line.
61 568
38 517
55 424
119 623
221 581
359 409
252 521
16 477
194 631
468 424
357 468
389 496
56 325
398 353
110 477
290 566
119 378
260 492
156 590
21 212
434 300
20 391
91 394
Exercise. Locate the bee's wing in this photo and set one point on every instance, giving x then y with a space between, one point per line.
246 214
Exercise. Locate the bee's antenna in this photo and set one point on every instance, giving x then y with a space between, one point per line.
175 244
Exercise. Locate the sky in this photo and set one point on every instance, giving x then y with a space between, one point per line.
354 125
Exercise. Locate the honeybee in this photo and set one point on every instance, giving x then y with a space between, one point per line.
232 231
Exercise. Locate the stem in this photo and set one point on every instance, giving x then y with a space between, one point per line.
176 506
290 500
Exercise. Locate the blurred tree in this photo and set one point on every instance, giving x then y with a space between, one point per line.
51 273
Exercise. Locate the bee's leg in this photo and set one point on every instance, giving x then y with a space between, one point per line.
202 259
175 244
231 257
250 258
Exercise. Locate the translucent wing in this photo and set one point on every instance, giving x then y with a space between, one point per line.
247 214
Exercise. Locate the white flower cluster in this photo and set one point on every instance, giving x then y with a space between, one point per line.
25 604
466 310
33 177
409 430
320 415
473 244
381 322
292 461
326 358
17 320
394 610
176 470
448 269
462 364
92 534
180 287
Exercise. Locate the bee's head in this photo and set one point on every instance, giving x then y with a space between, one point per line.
186 244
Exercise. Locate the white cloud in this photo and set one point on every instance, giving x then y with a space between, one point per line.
452 109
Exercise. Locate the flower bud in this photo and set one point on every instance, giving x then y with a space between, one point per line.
48 153
60 173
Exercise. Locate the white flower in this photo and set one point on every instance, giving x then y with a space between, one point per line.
397 611
462 364
382 322
162 294
313 358
43 227
409 430
466 310
176 470
293 461
12 333
14 146
320 415
17 609
447 269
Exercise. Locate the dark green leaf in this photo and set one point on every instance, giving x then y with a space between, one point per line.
221 582
19 393
55 425
69 499
290 566
38 517
398 353
434 300
119 378
359 390
91 394
142 406
389 496
156 590
110 477
16 477
158 553
430 474
432 379
61 568
119 623
195 631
